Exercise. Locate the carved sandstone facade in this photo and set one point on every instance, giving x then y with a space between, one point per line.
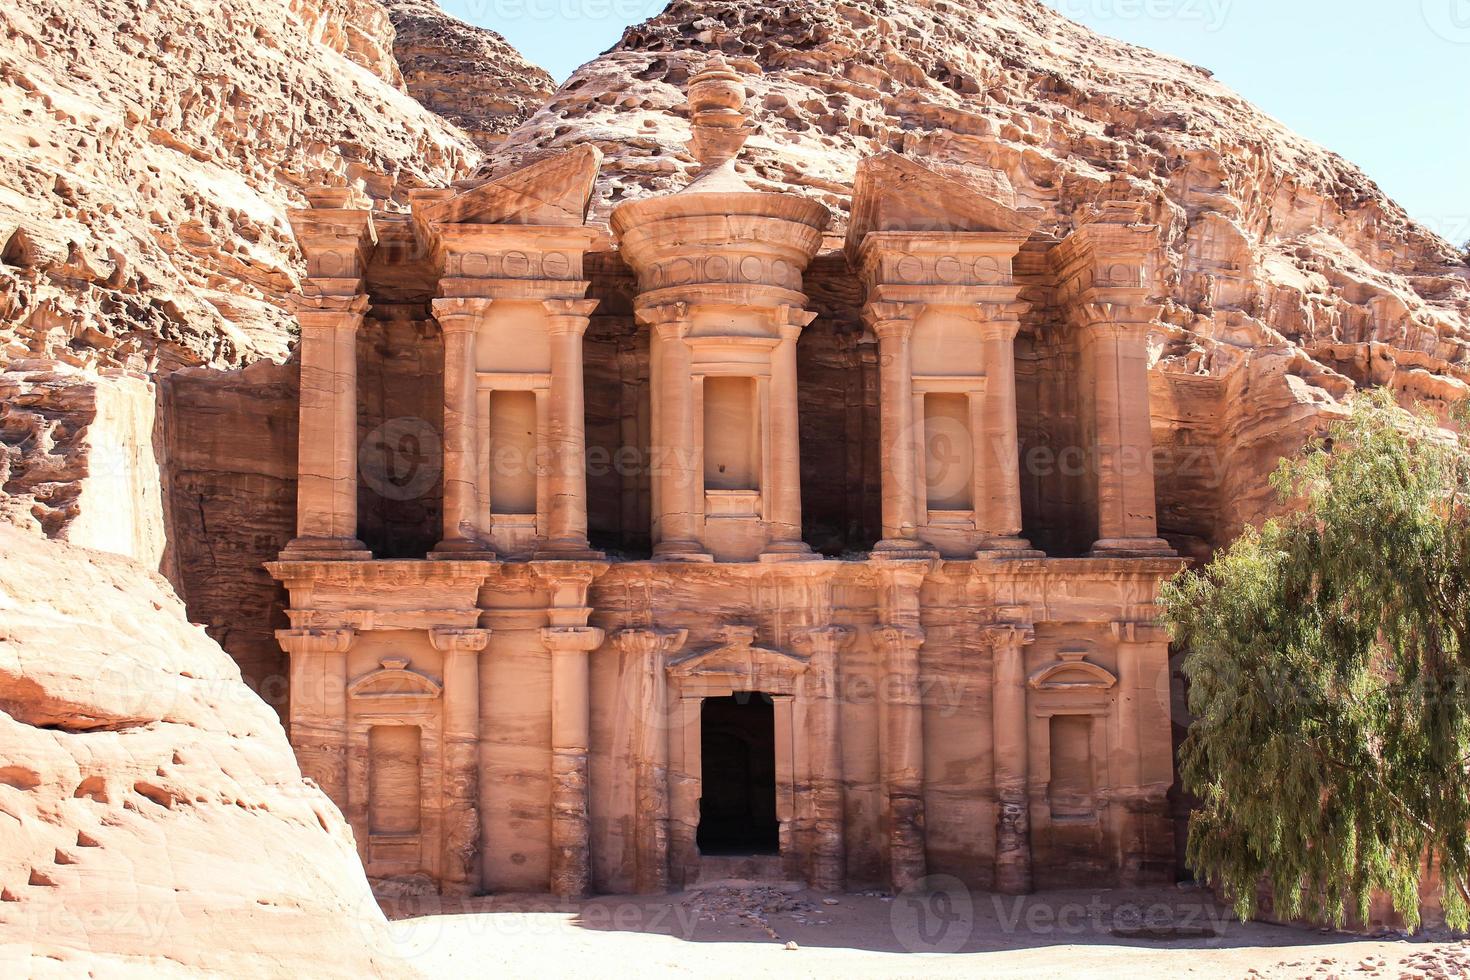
510 709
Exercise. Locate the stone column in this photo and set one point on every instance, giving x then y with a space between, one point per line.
318 719
897 428
681 485
1010 741
566 533
999 449
326 488
901 720
784 481
1145 754
461 672
460 318
570 721
1115 345
822 692
649 649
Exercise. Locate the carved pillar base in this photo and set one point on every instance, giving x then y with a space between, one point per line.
1133 548
325 549
1013 847
1008 548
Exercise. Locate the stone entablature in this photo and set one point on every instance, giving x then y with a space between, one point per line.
521 714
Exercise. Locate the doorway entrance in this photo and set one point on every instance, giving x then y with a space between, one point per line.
737 806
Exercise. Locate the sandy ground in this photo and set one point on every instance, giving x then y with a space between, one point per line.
746 932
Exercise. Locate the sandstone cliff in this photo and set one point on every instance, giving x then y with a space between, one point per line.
153 821
469 75
150 152
1290 279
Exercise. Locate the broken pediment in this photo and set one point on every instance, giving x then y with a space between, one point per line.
553 191
893 193
1072 672
393 679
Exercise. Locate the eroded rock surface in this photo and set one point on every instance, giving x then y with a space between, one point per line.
153 820
467 74
150 153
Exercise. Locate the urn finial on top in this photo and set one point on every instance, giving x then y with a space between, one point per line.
717 109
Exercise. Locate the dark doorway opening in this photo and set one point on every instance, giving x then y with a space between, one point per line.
737 806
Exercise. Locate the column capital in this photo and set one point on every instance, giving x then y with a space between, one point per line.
1000 321
823 639
572 639
646 640
296 641
1009 635
448 639
569 315
896 317
905 638
1115 320
460 312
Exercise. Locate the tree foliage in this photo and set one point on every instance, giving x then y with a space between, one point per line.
1329 664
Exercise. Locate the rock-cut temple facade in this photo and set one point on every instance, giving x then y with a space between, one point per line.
727 543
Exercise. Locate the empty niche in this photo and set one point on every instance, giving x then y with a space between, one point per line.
949 461
512 452
393 779
1071 789
730 434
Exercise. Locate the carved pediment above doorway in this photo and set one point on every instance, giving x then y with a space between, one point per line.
739 665
394 679
1072 673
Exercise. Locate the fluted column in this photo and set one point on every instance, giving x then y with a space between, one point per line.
570 722
1145 754
460 318
784 482
318 716
1000 454
566 533
461 673
681 485
1115 345
648 697
901 719
1010 742
823 692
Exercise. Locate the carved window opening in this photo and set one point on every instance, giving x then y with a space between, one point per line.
394 769
737 807
948 451
512 452
731 434
1072 791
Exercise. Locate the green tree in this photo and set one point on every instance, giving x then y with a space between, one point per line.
1329 668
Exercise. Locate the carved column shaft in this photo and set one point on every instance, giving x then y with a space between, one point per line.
824 690
680 502
571 872
1000 513
1145 754
1010 741
896 431
461 671
318 722
648 650
566 533
460 319
901 718
784 481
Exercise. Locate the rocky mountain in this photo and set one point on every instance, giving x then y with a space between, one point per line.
468 75
1289 278
150 151
153 821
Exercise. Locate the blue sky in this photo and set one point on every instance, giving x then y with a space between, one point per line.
1386 83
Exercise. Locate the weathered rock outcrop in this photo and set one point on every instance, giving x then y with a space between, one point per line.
153 821
469 75
1289 278
151 152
